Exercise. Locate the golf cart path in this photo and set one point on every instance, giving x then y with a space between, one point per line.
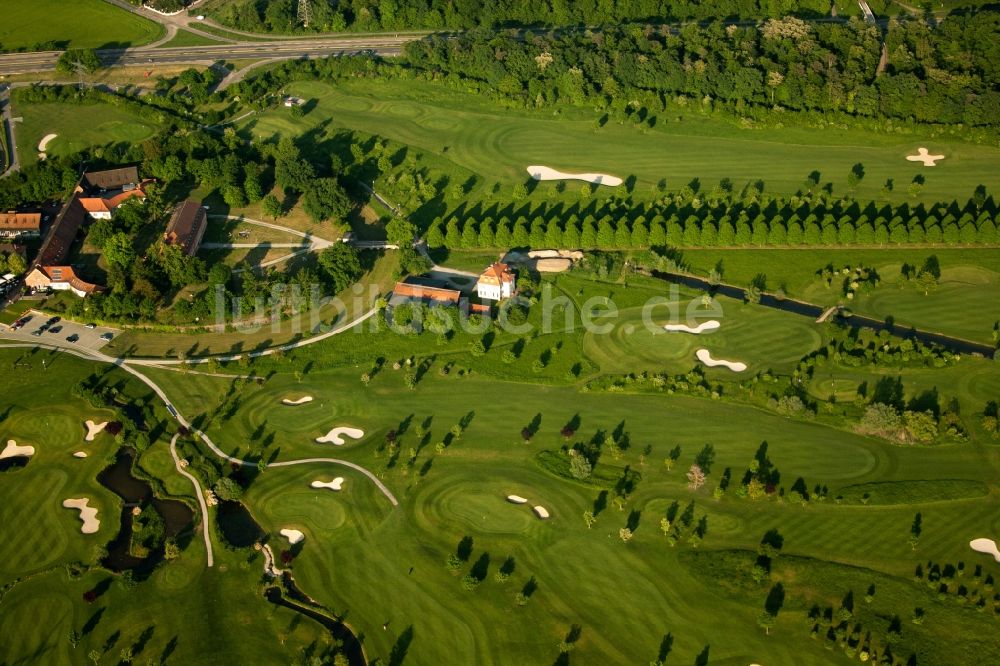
199 494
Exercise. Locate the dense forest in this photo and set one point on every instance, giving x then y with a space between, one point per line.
947 73
284 16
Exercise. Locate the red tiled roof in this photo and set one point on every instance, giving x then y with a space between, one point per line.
13 221
497 274
68 275
407 290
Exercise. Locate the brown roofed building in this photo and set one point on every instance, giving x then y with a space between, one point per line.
60 236
111 179
59 278
496 283
187 227
409 290
14 225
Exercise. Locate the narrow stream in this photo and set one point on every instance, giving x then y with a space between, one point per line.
814 311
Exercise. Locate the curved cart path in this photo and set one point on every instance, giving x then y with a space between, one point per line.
199 494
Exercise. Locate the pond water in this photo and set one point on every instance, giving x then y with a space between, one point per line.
176 515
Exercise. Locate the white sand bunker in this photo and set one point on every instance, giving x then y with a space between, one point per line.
87 514
293 536
335 435
709 325
80 454
923 156
93 429
541 512
301 401
988 546
516 499
705 357
43 144
548 173
332 485
12 450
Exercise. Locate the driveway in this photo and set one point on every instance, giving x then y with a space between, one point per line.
89 339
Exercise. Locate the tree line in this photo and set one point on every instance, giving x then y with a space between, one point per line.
645 226
945 74
284 16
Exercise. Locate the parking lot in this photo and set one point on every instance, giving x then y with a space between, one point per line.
88 338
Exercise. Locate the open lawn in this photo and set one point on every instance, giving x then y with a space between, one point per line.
461 135
87 24
77 127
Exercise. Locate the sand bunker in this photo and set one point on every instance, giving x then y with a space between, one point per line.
553 265
548 173
301 401
332 485
541 512
80 454
923 156
334 436
988 546
12 450
293 536
93 429
516 499
709 325
87 514
705 357
43 144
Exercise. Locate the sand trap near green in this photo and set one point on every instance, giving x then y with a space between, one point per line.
925 157
293 536
88 514
93 429
548 173
300 401
709 325
336 435
988 546
12 450
336 484
706 357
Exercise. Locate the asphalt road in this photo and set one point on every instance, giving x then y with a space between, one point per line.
43 61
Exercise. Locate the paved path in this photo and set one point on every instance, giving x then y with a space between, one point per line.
245 246
201 499
8 130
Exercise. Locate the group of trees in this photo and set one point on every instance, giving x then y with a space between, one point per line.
285 16
12 262
817 67
647 226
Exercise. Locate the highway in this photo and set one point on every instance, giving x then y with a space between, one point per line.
43 61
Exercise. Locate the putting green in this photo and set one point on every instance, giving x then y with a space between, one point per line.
764 339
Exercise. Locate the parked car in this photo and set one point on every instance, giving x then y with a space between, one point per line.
73 338
107 336
55 329
53 320
91 326
38 333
